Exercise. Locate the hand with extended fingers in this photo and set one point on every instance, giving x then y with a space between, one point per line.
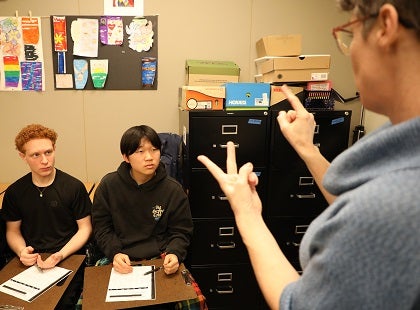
297 125
238 186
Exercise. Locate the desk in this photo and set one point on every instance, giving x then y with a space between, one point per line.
169 288
50 298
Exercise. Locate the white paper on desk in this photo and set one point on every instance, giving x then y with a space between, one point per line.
131 286
32 282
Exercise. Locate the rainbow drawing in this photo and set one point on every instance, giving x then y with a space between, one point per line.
11 71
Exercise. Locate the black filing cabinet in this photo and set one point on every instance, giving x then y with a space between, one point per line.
217 258
293 198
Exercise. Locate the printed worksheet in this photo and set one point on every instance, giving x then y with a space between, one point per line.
132 286
32 282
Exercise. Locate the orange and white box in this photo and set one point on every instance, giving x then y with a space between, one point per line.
202 97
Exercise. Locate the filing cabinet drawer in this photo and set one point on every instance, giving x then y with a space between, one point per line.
228 286
209 134
332 132
215 242
291 194
288 232
331 135
207 200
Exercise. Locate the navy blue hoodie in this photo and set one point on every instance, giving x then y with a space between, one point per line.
144 220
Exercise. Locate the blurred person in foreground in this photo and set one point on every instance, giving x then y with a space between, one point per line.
363 251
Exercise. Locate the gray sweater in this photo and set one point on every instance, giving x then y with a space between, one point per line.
363 251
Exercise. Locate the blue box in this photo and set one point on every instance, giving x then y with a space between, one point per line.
247 96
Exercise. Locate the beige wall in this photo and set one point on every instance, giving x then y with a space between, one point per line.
90 123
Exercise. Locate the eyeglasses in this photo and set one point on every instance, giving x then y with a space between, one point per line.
344 36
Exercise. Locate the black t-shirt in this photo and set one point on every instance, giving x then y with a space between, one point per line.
48 222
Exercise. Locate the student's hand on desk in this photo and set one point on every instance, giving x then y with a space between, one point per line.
27 256
121 263
170 263
50 262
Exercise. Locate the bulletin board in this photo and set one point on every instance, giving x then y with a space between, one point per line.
124 62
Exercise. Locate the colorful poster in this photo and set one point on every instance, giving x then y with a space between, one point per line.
31 73
11 71
60 33
111 30
21 54
30 30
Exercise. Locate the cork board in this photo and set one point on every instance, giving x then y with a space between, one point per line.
124 61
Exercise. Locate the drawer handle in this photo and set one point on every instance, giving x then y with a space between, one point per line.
306 196
224 289
224 146
225 276
303 181
226 245
229 129
301 229
226 231
222 198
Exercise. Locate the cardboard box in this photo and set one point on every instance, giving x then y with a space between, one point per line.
247 96
211 72
276 95
269 63
280 45
201 97
293 76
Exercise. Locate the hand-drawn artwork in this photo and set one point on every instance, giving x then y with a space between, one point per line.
30 30
11 38
30 52
84 32
61 61
11 71
99 72
123 3
111 30
21 55
30 35
80 68
60 33
64 81
148 71
31 75
140 34
123 7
